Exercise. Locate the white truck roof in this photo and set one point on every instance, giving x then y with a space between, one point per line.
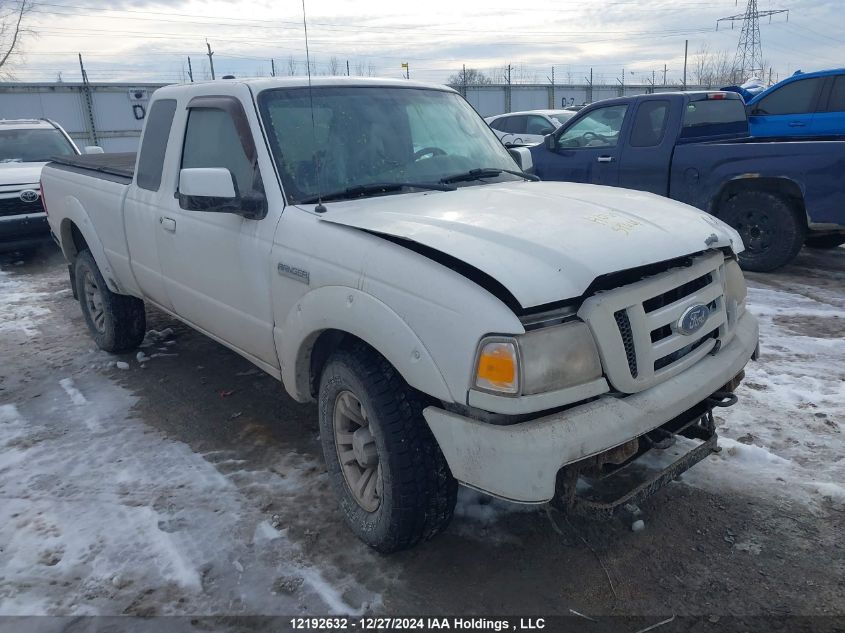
263 83
25 124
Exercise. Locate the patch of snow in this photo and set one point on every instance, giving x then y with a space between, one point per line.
785 437
73 393
22 307
121 365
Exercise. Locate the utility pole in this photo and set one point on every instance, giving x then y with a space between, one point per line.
686 50
508 94
622 84
210 56
552 92
664 75
347 68
89 102
749 51
190 71
590 87
272 67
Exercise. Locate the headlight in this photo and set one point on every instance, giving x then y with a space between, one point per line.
547 359
735 292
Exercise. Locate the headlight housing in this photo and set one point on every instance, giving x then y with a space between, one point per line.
735 292
543 360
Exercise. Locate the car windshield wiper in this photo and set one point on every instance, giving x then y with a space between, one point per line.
485 172
373 188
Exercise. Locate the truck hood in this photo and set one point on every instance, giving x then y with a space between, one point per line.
20 173
543 241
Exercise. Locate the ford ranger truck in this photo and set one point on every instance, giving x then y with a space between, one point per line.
372 245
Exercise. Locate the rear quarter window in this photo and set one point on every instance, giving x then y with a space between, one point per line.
154 145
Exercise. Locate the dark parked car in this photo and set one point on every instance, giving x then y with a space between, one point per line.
695 147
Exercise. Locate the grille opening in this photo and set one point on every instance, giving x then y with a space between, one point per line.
624 325
660 363
675 294
16 206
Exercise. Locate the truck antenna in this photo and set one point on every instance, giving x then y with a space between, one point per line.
320 208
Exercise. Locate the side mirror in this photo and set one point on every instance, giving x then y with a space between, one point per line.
213 189
522 157
93 149
207 182
549 142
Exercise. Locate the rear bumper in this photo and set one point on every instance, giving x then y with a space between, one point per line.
23 231
520 462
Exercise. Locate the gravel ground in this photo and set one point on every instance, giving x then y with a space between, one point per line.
190 484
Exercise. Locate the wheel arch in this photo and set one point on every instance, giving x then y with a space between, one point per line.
75 235
331 317
782 187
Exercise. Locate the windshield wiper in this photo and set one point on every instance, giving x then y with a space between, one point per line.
486 172
372 188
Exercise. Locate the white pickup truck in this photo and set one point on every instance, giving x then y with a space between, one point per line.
372 245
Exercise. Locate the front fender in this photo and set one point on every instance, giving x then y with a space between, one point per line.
362 315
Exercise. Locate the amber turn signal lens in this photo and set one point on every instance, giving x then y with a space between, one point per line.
497 368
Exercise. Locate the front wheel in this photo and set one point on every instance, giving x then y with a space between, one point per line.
117 322
393 483
770 227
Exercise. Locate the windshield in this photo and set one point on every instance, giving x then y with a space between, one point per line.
375 135
32 146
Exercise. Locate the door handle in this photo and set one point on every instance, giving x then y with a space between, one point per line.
797 124
168 224
604 159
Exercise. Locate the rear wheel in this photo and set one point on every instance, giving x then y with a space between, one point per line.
116 322
393 483
770 227
825 241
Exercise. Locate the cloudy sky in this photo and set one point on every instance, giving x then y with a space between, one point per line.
139 41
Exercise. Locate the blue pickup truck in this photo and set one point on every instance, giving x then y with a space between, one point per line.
694 147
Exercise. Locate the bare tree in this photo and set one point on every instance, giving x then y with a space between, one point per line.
12 30
371 69
469 77
711 69
334 66
360 69
291 66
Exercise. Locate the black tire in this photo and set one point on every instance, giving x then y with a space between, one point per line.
770 226
120 323
418 493
825 241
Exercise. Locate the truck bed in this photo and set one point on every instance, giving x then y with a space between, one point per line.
117 167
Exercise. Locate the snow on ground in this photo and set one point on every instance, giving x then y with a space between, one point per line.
22 306
785 436
102 515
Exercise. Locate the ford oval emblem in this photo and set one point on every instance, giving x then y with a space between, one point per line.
693 319
29 195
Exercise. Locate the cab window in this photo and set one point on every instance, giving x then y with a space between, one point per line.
211 140
836 101
797 97
599 128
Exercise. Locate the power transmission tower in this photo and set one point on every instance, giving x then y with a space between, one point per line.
749 52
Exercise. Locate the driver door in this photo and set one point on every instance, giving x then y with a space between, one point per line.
587 149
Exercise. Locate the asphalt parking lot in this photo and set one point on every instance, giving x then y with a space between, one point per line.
189 483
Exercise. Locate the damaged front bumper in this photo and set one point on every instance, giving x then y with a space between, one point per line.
520 462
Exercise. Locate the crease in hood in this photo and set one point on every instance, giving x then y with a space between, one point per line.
543 241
